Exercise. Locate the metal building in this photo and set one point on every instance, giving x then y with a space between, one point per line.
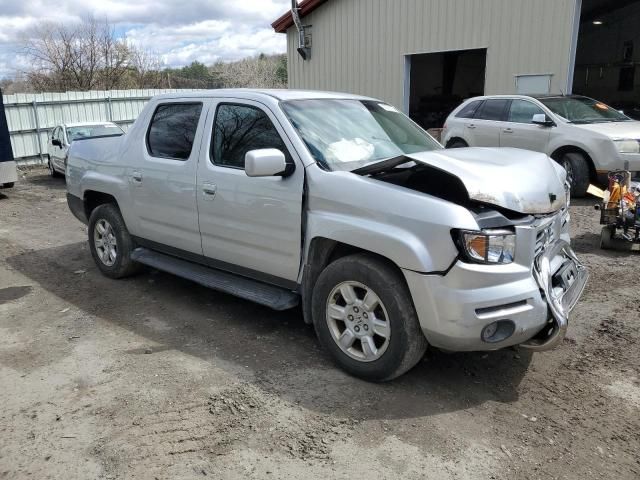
426 56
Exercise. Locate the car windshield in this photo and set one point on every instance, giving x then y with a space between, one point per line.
92 131
349 134
583 110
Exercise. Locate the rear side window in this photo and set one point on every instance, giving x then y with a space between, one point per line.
522 111
492 110
239 129
173 129
469 110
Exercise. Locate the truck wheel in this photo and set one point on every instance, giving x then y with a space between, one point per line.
364 316
457 144
8 185
577 173
110 242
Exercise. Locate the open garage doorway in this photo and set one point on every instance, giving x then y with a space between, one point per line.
439 82
608 54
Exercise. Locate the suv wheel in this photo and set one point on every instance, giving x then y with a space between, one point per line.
364 316
577 173
457 144
110 242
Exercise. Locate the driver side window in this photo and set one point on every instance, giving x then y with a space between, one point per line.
240 128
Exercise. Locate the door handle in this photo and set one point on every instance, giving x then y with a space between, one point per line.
136 177
209 189
507 130
471 126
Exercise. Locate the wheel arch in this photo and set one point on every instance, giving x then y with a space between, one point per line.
456 139
92 199
558 153
321 253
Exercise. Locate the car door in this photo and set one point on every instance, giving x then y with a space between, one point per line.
249 225
54 150
162 176
487 122
520 132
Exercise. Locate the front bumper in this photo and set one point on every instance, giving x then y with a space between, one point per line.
454 309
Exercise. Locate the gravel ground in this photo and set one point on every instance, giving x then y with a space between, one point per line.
155 377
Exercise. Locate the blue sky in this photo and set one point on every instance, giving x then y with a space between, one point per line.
179 31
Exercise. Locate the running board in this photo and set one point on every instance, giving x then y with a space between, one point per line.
268 295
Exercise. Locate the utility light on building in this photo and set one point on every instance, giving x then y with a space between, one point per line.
598 22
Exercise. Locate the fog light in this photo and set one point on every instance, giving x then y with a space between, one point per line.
498 331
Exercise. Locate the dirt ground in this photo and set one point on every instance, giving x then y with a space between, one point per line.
155 377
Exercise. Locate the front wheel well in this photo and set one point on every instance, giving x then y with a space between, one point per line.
322 252
560 152
93 199
453 140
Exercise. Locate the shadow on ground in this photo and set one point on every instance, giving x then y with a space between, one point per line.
280 351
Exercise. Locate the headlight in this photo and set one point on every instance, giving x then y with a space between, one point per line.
489 246
627 146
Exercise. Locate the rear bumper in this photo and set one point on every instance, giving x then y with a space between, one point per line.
454 309
76 205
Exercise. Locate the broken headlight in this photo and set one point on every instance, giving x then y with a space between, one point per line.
496 246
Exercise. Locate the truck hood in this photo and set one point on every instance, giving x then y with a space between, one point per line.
614 130
518 180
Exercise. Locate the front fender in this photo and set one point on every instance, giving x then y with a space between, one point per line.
402 247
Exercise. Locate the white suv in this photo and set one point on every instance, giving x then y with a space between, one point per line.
587 137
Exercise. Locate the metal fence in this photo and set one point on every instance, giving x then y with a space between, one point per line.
31 117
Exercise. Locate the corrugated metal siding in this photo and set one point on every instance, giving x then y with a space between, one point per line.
358 46
119 106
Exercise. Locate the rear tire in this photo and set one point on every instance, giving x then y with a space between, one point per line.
379 346
457 144
110 242
577 168
8 185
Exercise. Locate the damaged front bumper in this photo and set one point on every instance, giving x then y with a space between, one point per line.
562 279
533 296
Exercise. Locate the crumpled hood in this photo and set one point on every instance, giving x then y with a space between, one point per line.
518 180
614 130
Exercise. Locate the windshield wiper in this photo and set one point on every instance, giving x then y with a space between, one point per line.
382 165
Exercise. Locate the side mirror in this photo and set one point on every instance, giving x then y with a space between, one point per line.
541 119
56 142
266 162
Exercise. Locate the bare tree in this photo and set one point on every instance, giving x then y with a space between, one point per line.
146 68
84 56
263 71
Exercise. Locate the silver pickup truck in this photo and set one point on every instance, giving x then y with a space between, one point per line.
343 205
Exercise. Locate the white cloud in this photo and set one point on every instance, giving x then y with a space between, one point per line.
180 32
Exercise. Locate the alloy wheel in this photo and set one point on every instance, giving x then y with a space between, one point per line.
358 321
105 241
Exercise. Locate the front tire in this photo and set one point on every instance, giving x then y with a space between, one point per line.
52 171
110 242
577 168
363 315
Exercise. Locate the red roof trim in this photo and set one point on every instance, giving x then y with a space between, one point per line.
285 21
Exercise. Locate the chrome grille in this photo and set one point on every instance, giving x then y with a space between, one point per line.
545 237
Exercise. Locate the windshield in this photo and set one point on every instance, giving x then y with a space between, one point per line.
583 110
92 131
349 134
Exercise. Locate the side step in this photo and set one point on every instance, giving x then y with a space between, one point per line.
258 292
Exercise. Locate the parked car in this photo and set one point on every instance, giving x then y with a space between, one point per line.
342 204
587 137
64 135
